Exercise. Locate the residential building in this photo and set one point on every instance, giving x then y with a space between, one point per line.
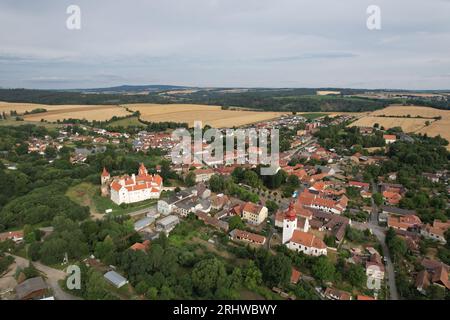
246 236
254 214
115 279
436 231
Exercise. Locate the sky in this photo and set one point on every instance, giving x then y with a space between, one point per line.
225 43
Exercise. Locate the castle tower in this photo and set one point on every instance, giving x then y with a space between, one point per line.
289 223
142 170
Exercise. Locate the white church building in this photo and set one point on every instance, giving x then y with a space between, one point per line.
134 188
296 236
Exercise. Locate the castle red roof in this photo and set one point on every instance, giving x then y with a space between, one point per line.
105 172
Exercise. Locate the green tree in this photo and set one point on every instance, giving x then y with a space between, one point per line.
323 269
252 276
356 275
272 206
216 184
236 222
277 270
207 276
378 199
189 180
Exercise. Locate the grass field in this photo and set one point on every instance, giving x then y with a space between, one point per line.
396 116
133 121
88 194
210 115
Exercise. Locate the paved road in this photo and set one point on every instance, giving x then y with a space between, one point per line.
52 275
380 233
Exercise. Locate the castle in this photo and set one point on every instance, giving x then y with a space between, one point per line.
130 189
296 236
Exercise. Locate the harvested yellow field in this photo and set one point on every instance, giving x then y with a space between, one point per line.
19 107
413 111
407 124
60 112
395 117
88 112
213 116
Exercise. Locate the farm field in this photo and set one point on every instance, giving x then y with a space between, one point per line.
60 112
210 115
396 116
88 112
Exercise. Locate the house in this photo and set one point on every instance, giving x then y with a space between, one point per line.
167 224
16 236
374 267
167 206
436 231
437 276
31 289
388 210
141 246
126 189
295 275
212 221
219 201
389 138
240 235
393 198
360 185
254 214
143 223
335 294
432 177
115 279
296 238
404 222
203 175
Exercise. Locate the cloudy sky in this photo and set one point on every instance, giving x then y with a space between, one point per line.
251 43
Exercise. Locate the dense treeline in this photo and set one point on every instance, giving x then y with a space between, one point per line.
341 137
262 99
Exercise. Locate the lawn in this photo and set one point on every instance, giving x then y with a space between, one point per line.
13 122
88 194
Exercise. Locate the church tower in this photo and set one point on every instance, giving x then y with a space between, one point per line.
289 223
105 176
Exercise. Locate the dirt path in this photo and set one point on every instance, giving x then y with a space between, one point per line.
52 277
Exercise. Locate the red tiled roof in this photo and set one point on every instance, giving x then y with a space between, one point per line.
295 276
307 239
105 172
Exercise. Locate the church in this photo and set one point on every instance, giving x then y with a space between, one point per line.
296 236
130 189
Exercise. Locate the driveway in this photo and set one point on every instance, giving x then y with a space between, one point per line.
52 277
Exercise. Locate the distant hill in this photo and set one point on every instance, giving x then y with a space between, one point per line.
132 88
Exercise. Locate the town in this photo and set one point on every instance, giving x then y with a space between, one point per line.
351 213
